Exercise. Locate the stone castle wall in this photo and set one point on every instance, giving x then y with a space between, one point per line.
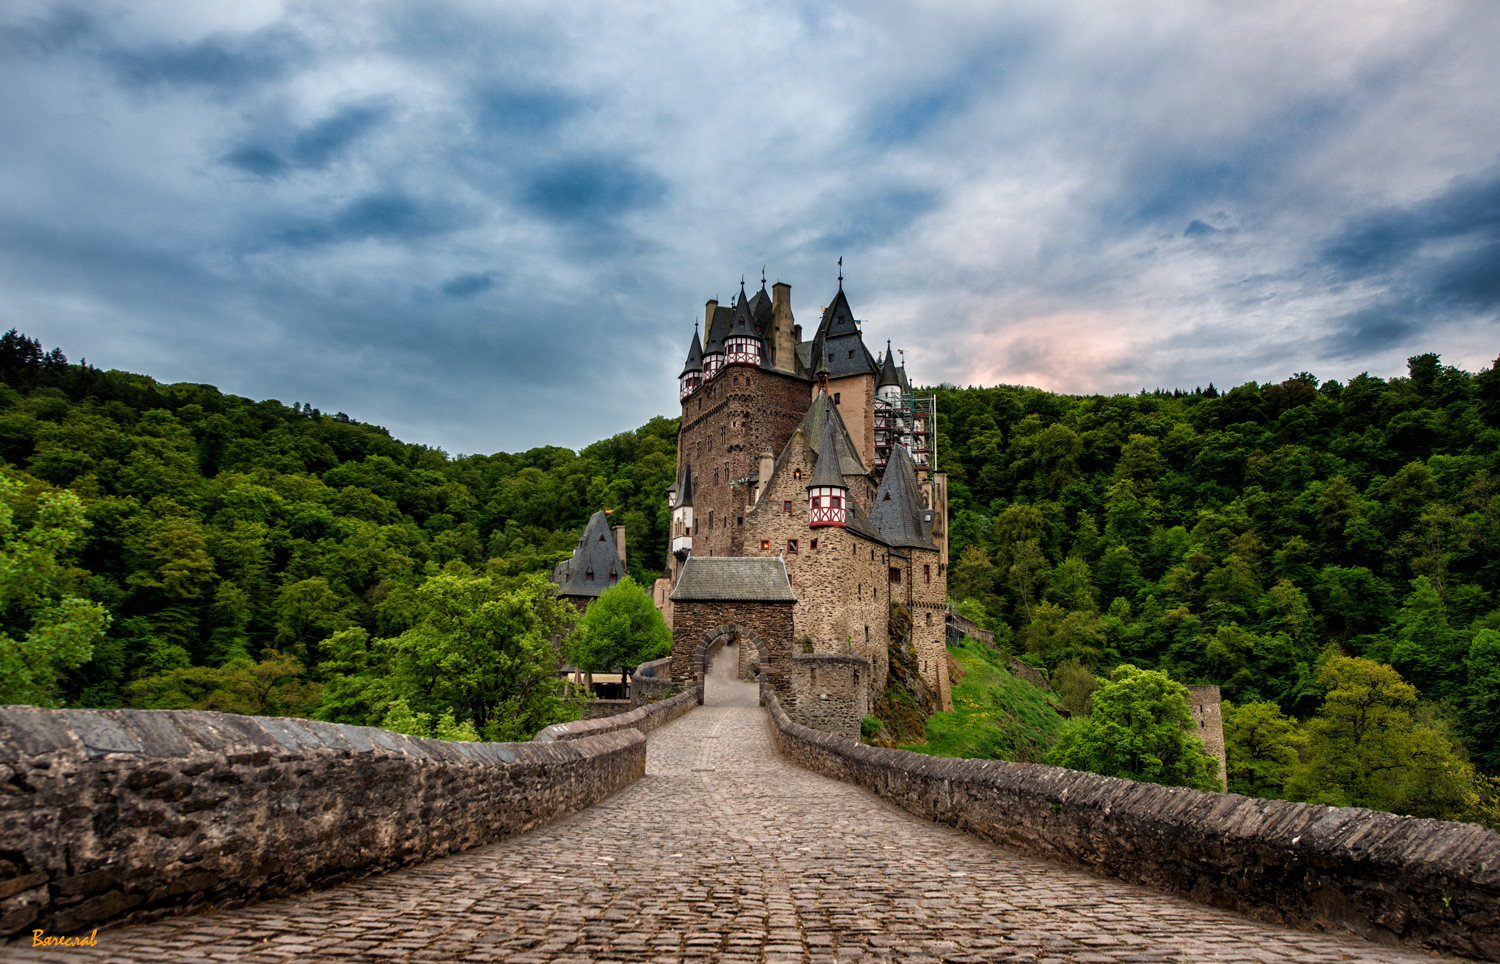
127 815
725 427
770 622
1384 877
1203 701
651 681
829 693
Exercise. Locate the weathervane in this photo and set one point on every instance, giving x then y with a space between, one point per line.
841 272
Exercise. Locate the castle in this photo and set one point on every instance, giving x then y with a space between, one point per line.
816 453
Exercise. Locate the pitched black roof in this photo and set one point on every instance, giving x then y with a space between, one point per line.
685 487
595 565
822 409
718 330
733 579
828 472
897 509
695 355
838 344
889 374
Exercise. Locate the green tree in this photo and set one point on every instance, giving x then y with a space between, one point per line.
44 628
483 652
1482 699
1367 749
1261 744
620 629
1140 728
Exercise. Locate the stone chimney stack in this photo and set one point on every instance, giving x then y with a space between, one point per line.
620 543
708 317
783 327
767 463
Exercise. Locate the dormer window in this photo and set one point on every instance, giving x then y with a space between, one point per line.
588 574
796 473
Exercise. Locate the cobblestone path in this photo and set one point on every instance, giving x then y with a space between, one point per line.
725 853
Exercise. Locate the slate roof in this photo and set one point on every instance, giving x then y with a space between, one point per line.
685 487
838 343
897 510
812 428
695 355
889 374
718 330
828 469
733 579
596 552
748 319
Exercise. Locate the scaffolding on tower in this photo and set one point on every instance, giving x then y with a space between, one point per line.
911 421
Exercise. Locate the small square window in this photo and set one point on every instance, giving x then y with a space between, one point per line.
817 502
813 545
786 506
791 547
739 520
765 543
835 398
895 574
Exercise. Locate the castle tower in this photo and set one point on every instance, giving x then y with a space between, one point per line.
827 496
782 343
692 370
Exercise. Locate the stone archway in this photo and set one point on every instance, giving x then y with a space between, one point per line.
714 640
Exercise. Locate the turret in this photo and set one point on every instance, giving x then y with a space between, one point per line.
682 515
716 327
744 343
888 389
827 495
692 370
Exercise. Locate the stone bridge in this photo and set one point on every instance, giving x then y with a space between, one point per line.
727 850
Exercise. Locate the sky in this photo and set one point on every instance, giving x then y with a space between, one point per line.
491 226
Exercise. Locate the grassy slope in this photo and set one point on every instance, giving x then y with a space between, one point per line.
995 715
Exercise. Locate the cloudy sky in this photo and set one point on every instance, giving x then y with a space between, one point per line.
490 225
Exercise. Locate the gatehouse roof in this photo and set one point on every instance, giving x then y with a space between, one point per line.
733 579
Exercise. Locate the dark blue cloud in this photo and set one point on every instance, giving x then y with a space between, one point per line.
41 36
468 285
1197 229
875 218
392 215
1371 330
1469 208
592 188
508 111
222 61
312 147
987 72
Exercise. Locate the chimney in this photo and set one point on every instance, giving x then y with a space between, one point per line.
708 318
767 463
620 543
783 327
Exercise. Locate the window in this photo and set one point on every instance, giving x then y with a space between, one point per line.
895 575
835 398
851 353
813 545
927 577
817 502
786 506
739 520
796 473
887 497
765 543
736 381
588 574
791 547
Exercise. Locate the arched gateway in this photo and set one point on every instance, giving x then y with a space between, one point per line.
717 597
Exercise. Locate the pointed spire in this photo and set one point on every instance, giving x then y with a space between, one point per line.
685 490
828 472
888 373
841 272
694 356
762 276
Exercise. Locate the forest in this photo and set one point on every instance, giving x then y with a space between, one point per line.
1302 544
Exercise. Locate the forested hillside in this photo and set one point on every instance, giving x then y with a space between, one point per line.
1247 539
224 529
256 557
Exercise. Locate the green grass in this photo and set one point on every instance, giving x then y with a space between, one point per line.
995 715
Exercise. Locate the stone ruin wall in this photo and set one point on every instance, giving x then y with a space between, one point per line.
1388 878
1204 703
131 815
829 692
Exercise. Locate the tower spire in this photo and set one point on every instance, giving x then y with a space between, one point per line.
841 272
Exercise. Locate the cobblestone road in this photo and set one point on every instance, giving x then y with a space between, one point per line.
725 853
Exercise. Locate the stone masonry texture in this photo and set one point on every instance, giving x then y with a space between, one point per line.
1385 877
726 852
117 815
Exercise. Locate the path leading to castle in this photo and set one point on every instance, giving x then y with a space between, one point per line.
725 853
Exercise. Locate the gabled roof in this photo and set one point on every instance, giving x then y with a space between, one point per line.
811 427
838 319
897 509
596 555
828 473
695 355
733 579
889 373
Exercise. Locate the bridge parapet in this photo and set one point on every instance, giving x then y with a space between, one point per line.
643 718
1393 879
126 815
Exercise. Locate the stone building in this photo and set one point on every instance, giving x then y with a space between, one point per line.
814 452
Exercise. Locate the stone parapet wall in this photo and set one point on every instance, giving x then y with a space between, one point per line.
127 815
829 692
651 682
1394 879
601 709
642 718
